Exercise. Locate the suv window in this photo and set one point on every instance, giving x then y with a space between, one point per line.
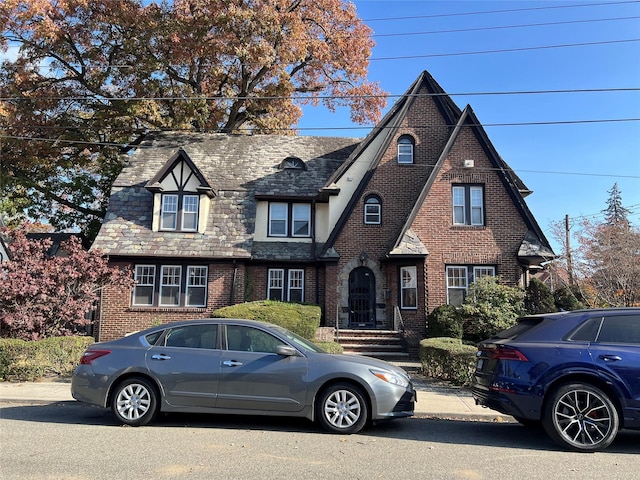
524 325
620 329
586 332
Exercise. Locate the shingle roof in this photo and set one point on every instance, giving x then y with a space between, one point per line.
238 167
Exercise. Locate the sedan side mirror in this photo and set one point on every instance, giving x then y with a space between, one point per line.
286 351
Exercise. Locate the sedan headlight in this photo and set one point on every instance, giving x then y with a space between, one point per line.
390 377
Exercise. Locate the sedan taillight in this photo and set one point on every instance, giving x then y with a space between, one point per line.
90 355
507 353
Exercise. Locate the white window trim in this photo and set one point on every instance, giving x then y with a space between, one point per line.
376 206
152 285
402 143
271 277
307 218
286 219
467 197
189 286
290 280
164 210
162 286
412 285
184 213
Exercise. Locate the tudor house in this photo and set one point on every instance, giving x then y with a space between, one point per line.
378 231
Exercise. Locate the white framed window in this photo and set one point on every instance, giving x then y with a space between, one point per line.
405 149
285 285
301 213
296 285
143 291
190 204
372 210
196 287
275 284
289 219
170 277
179 212
169 214
459 277
408 288
468 204
278 216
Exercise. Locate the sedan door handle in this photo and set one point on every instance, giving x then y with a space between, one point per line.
231 363
160 356
611 358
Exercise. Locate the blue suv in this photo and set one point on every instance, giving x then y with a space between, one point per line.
575 373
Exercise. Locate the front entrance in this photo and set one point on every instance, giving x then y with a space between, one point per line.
362 298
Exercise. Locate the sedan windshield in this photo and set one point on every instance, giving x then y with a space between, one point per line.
298 341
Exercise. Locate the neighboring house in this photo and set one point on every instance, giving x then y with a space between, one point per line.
378 231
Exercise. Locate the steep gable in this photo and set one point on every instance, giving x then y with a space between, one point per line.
535 247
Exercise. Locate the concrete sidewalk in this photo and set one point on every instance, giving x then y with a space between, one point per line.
435 399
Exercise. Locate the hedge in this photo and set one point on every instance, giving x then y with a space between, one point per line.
448 359
22 360
302 319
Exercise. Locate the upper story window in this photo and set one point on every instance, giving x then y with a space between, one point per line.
460 277
179 212
289 219
468 204
405 149
170 286
372 210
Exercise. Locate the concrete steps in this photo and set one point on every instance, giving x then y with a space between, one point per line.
384 344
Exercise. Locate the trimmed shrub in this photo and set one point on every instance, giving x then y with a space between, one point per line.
330 347
448 359
22 360
444 321
302 319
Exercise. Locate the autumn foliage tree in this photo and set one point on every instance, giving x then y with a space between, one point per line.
605 265
90 76
42 295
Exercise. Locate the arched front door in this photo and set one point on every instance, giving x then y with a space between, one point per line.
362 298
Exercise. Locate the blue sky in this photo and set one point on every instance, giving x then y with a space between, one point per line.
569 166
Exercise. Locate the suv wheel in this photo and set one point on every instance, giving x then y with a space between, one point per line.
581 417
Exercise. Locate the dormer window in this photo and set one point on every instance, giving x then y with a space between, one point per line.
180 194
405 149
292 163
179 212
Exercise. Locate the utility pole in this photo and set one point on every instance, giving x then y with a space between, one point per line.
568 248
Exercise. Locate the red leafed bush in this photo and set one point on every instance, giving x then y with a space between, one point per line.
43 296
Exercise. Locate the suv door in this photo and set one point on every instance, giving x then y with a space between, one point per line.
617 351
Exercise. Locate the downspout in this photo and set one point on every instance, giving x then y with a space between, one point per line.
233 283
313 249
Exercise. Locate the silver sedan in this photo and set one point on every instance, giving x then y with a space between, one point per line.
234 366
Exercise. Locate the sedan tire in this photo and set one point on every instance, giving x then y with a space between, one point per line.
342 408
135 401
581 417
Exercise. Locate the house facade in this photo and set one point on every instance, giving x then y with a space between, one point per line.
378 231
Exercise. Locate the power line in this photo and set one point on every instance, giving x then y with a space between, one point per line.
353 127
325 97
489 12
502 27
506 50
